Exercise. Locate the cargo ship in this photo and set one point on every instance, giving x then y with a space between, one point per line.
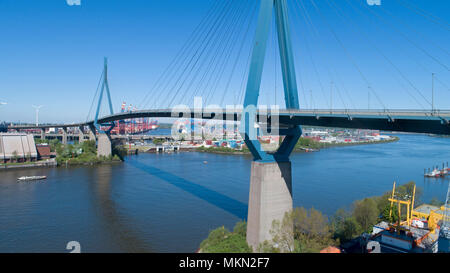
133 126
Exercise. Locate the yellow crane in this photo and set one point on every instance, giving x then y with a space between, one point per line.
409 207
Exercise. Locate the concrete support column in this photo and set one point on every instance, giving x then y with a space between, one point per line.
104 146
64 136
42 133
270 198
92 132
81 134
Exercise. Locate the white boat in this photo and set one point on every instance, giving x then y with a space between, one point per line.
434 173
31 178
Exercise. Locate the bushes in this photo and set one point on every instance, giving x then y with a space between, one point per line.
221 240
305 230
81 153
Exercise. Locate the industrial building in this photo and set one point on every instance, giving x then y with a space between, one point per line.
424 231
17 147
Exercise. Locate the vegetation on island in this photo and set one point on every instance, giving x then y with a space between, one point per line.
81 153
309 231
223 150
78 153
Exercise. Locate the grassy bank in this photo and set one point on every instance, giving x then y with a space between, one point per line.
84 153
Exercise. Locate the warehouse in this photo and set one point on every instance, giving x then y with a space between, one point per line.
16 147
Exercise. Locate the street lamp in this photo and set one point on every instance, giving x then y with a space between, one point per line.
37 113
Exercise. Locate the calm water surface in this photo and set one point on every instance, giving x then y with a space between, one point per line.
169 202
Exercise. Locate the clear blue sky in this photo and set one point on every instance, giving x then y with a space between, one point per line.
51 53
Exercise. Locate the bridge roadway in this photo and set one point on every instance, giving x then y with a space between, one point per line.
77 135
436 122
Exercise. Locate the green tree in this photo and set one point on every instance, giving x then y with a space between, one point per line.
15 156
350 229
241 228
300 231
282 233
366 213
221 240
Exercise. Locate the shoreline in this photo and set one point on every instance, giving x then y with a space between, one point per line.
221 150
42 164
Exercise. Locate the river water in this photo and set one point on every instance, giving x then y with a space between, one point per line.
170 202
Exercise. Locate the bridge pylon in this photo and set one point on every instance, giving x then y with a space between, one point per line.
271 176
104 147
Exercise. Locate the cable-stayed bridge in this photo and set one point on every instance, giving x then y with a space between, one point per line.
209 59
412 121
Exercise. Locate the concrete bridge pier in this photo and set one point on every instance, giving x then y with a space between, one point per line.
270 198
92 132
104 145
42 133
81 134
64 136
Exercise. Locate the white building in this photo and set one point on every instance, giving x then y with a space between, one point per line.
17 147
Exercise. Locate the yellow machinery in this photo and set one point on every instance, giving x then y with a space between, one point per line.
409 207
431 213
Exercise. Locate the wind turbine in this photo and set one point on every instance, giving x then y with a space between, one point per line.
37 113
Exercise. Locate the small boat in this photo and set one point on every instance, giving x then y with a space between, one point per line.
434 173
31 178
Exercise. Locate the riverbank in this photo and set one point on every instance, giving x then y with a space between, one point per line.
84 153
314 231
303 145
37 164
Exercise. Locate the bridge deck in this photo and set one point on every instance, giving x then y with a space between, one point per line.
436 122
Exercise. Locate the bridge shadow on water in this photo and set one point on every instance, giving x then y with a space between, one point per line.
215 198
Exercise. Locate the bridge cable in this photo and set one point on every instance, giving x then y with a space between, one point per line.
200 52
310 25
423 13
349 55
409 40
417 62
186 60
227 52
373 44
194 36
212 62
415 31
95 95
240 52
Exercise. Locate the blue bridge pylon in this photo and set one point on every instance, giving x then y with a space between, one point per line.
248 131
105 85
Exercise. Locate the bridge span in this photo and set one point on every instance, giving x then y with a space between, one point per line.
431 122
